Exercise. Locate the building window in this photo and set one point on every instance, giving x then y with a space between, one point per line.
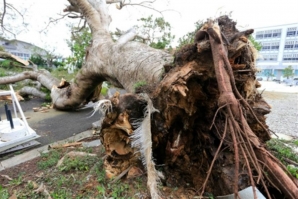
259 35
268 34
295 58
265 46
276 33
291 32
290 57
287 57
296 45
273 57
275 46
289 45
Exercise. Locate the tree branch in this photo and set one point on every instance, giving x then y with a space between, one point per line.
26 90
6 55
100 6
43 76
3 14
54 21
93 11
126 37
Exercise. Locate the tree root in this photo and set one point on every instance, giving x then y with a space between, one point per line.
244 140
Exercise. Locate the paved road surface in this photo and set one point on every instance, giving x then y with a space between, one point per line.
55 125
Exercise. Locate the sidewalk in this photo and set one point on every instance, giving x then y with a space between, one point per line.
53 125
276 87
34 153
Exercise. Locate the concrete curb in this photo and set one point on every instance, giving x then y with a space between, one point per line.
34 153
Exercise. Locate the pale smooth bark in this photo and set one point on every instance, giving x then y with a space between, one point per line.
32 91
42 76
122 63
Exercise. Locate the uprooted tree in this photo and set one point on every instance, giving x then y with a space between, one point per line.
199 111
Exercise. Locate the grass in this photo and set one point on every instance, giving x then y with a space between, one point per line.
3 193
77 178
78 163
49 159
139 84
283 150
17 181
63 74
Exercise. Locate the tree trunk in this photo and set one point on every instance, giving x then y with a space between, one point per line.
202 118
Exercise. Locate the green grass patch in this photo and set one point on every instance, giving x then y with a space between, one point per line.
17 181
49 159
58 73
139 84
283 150
3 193
78 163
293 170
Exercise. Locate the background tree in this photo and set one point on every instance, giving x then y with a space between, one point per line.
190 36
80 40
268 74
156 32
8 13
38 60
288 72
256 44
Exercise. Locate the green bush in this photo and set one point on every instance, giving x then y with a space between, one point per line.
38 60
2 72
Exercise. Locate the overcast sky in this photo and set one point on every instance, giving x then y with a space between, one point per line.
182 16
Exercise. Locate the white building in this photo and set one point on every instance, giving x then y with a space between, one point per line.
21 49
279 49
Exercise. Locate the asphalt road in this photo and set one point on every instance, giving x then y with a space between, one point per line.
54 125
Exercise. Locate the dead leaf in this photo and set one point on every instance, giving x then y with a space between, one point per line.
14 196
134 172
7 177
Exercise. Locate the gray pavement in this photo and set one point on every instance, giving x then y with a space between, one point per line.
54 125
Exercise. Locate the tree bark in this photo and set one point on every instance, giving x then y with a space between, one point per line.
116 62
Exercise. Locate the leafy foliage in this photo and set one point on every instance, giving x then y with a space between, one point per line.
268 74
157 32
256 44
78 43
9 64
190 36
288 72
38 60
293 170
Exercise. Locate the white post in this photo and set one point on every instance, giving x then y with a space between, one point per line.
19 108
